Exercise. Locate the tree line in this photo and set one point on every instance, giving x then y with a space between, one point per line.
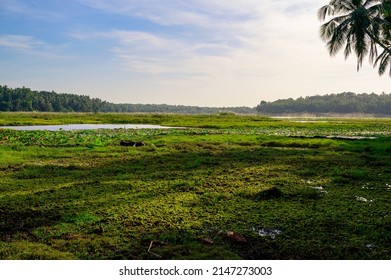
25 99
342 103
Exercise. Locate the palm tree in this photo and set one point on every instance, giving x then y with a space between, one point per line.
384 59
360 26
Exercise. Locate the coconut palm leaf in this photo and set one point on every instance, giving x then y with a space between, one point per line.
358 26
384 61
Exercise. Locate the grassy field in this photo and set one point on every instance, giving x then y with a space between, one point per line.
224 187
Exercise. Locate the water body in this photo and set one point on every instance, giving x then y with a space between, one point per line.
68 127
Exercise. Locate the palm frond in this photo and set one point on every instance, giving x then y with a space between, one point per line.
327 30
345 6
371 3
348 47
338 37
374 10
372 52
325 11
384 61
386 11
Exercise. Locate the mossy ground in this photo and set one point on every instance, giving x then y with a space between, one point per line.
80 195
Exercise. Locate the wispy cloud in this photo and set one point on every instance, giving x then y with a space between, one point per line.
224 38
144 52
32 9
24 44
19 42
220 46
210 14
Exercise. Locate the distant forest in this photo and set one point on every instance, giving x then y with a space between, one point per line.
25 99
342 103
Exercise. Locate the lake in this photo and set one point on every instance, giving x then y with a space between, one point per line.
85 127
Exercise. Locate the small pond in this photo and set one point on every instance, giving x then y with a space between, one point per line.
85 127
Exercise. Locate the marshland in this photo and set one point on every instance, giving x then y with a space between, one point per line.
219 186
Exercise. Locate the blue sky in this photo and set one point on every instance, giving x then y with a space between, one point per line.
194 52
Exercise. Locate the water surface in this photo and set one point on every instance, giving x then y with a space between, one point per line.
68 127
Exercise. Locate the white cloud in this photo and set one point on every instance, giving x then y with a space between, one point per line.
31 46
32 9
242 35
210 15
144 52
19 42
138 40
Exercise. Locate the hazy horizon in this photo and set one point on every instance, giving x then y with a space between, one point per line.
210 53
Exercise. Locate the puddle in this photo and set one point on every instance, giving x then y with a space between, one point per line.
338 137
341 137
310 121
272 233
319 188
67 127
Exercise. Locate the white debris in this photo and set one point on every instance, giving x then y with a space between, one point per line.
320 188
363 199
370 246
360 198
267 232
368 188
317 188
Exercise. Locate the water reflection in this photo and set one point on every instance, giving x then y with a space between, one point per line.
68 127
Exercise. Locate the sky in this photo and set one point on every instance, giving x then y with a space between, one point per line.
215 53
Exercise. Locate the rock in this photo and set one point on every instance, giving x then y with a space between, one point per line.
132 143
207 241
98 230
271 193
236 237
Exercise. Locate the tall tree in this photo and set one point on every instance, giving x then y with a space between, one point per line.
360 26
384 59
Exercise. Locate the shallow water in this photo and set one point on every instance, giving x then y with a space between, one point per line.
68 127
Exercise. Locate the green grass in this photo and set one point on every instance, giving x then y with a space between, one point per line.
80 195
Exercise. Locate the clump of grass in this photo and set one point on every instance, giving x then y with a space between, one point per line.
24 250
271 193
349 176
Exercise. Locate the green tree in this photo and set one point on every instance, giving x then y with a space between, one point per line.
360 26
